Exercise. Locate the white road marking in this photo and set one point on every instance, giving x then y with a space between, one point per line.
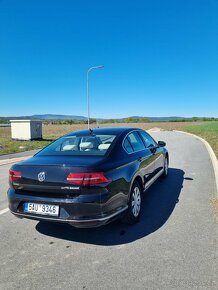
4 211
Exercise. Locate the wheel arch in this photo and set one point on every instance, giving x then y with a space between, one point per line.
139 179
167 156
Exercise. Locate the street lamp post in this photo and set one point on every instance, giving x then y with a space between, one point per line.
87 85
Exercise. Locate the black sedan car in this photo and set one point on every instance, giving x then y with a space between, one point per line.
88 178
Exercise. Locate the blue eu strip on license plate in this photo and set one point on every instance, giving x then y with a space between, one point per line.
26 206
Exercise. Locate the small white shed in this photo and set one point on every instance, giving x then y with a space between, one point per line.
26 129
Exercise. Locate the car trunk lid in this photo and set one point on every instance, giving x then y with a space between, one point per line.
47 176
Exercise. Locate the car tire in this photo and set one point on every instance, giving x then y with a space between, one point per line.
132 214
166 167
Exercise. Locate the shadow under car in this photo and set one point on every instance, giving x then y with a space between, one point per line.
158 204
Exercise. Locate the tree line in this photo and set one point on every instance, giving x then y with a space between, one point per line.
127 120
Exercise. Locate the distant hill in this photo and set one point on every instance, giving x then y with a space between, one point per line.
46 117
58 117
82 118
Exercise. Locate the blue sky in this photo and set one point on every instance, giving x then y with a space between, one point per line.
160 57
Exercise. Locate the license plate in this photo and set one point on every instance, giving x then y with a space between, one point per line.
43 209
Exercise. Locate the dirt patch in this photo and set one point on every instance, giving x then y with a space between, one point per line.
155 129
214 205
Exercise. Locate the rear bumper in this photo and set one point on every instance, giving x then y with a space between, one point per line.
91 211
95 222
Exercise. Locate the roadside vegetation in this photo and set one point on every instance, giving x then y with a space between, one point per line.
208 131
51 131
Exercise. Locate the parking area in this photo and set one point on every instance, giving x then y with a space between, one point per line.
172 247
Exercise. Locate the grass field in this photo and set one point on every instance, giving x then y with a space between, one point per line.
206 130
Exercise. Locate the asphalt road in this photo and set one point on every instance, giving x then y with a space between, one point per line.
173 247
17 155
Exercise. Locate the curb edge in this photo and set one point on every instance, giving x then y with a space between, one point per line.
211 154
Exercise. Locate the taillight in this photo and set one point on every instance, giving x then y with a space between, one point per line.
90 178
14 175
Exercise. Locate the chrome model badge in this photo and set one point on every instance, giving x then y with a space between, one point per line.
41 176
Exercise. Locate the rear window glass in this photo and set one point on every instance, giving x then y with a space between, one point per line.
80 145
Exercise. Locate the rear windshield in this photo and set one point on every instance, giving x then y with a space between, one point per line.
80 145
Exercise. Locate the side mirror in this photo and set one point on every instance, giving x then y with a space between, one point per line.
161 143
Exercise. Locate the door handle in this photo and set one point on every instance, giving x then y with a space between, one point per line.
140 159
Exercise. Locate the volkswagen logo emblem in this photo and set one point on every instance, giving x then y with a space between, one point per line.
41 176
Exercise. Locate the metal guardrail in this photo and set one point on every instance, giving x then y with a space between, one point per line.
5 125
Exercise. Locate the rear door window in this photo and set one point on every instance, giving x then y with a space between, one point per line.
135 142
149 141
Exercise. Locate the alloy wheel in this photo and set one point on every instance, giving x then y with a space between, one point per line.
136 201
166 166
